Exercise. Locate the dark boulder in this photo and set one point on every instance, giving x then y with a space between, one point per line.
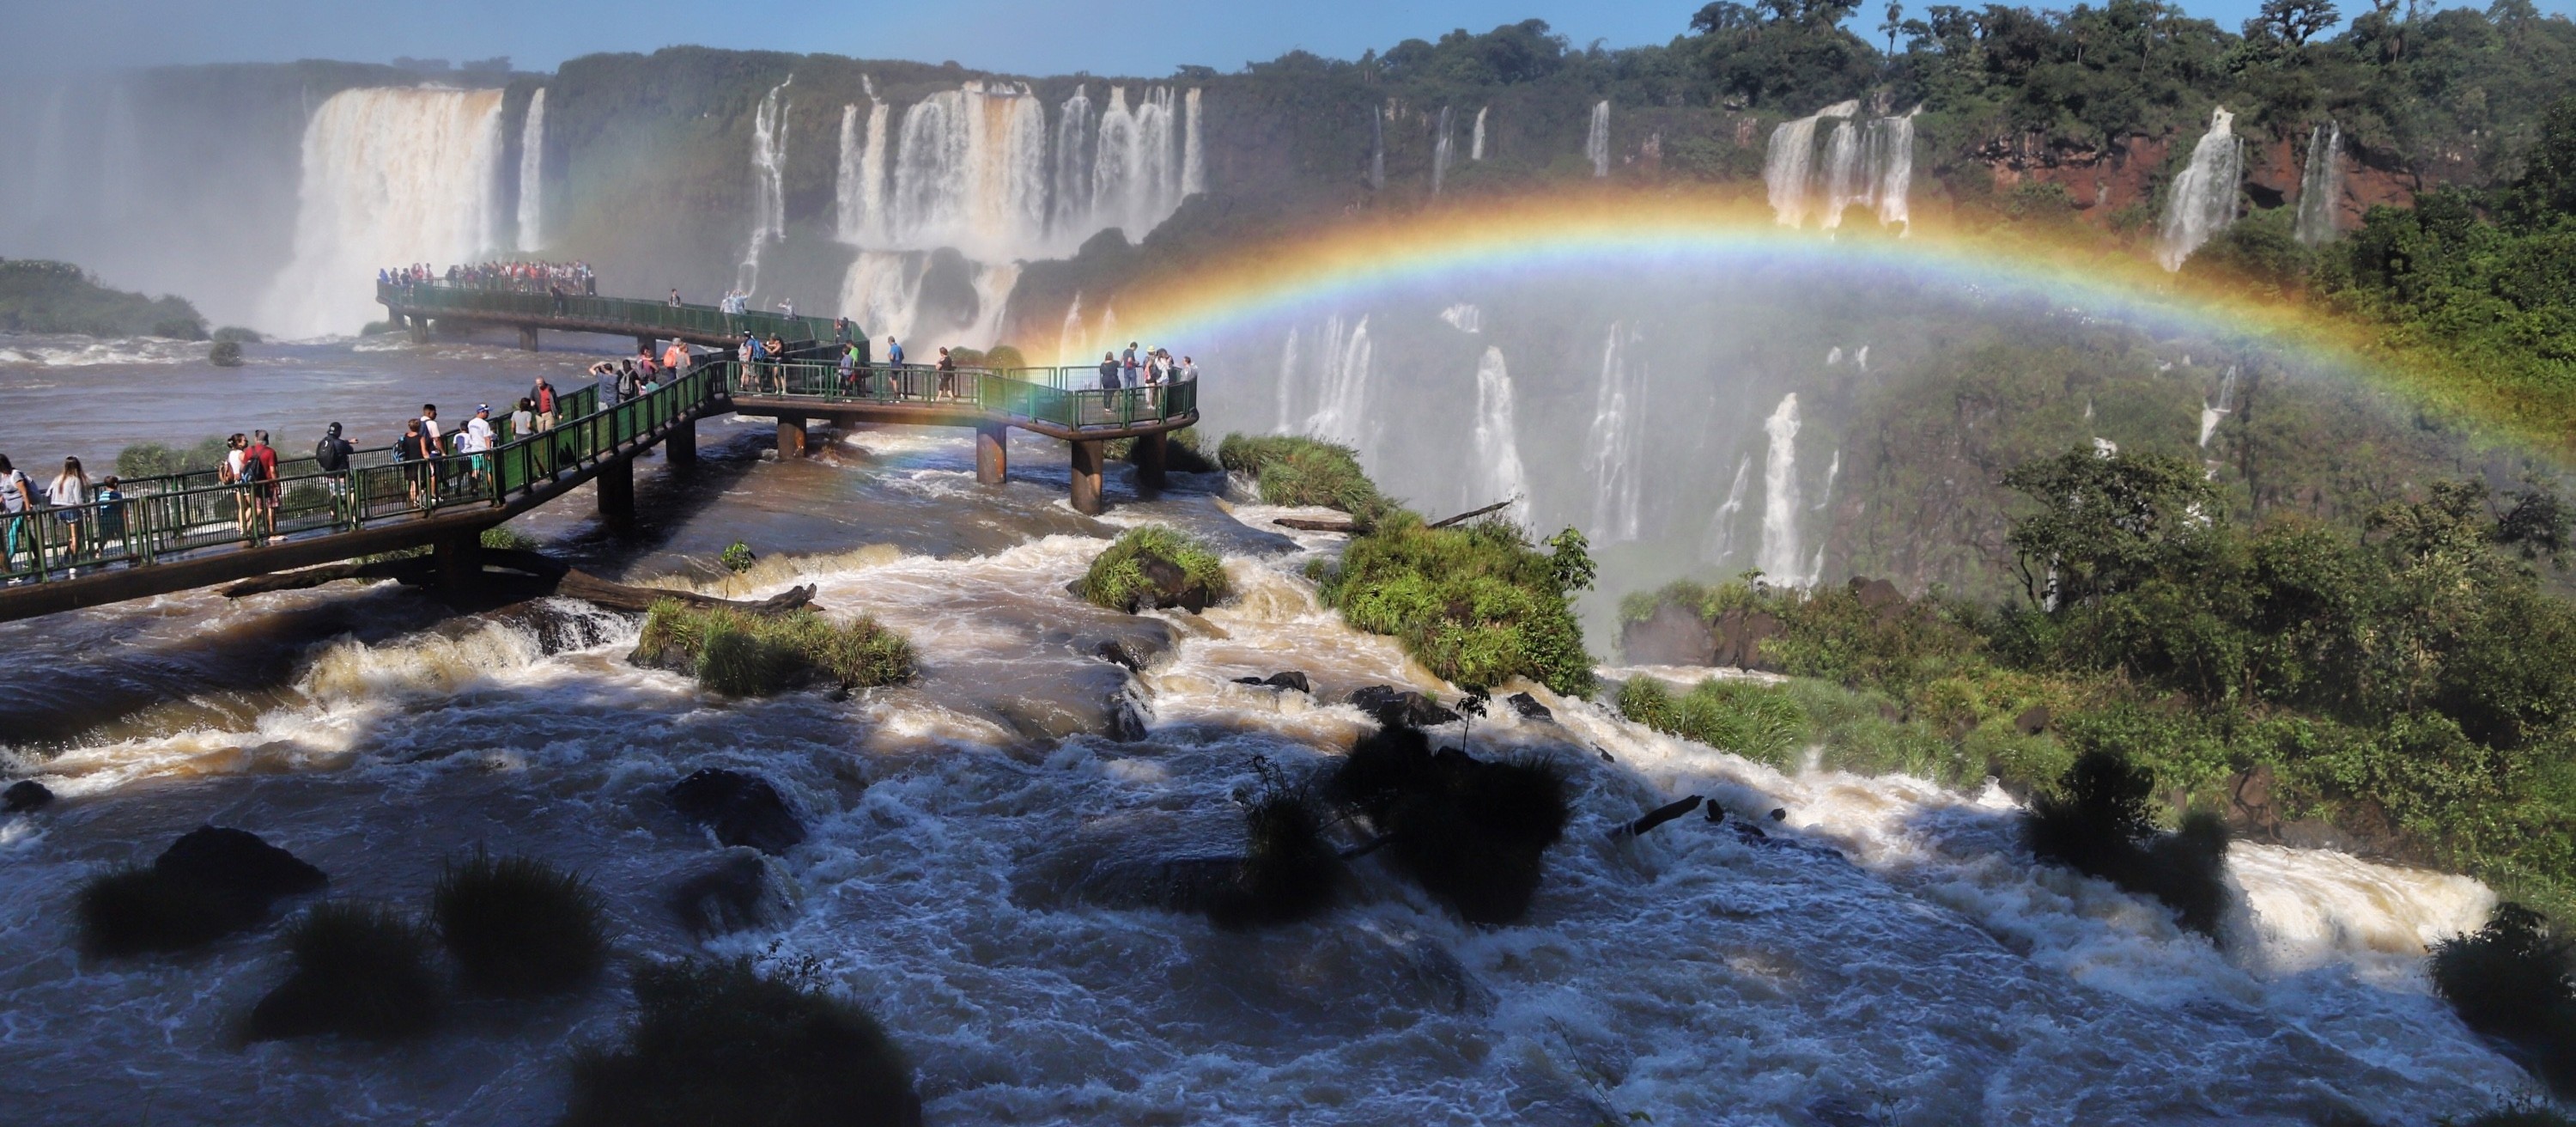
1878 595
238 863
1740 633
1401 708
738 893
207 885
1529 707
1471 832
1291 679
741 809
25 795
1115 652
1673 635
2033 720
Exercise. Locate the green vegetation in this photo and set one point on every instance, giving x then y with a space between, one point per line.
2099 823
1305 471
139 911
717 1043
1154 566
1749 720
2512 980
1290 870
1472 833
152 459
1476 604
506 538
57 297
359 971
742 654
519 927
737 557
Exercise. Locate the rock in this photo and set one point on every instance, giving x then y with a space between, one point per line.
1126 720
1529 707
1739 639
1716 813
742 809
1878 595
1779 815
2033 720
239 864
1401 708
741 892
25 795
1115 652
1289 680
1673 635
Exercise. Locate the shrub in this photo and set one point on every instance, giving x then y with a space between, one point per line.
152 459
519 927
508 539
737 557
1152 566
738 653
1472 833
1305 471
225 354
1290 872
238 335
177 328
2099 825
136 911
1477 604
2512 981
716 1043
359 971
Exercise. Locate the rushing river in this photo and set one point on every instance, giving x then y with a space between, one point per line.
1889 956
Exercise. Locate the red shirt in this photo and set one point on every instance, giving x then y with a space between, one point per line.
267 456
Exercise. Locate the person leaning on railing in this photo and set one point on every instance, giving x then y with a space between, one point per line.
17 496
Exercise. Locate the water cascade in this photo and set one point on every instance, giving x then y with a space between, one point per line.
1844 185
1867 164
1377 148
390 176
2320 185
532 168
1465 317
1788 164
1440 153
1596 141
1778 555
1498 452
1891 157
2211 411
1476 146
1614 457
1718 546
768 185
970 172
1193 155
2202 201
1342 386
1076 139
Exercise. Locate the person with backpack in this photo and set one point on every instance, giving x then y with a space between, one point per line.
331 456
675 359
947 375
894 366
259 468
409 454
432 448
110 499
17 495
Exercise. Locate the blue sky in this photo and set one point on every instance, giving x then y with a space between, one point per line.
1144 37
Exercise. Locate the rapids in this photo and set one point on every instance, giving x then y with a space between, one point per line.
1887 955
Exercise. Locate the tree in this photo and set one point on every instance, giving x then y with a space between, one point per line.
2297 21
1895 23
2107 523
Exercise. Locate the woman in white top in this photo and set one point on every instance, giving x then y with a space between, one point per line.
236 456
70 495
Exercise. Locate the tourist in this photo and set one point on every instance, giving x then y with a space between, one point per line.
947 375
675 297
894 366
431 448
841 331
555 290
675 359
1127 361
110 499
604 377
413 456
1189 370
644 363
69 494
236 449
787 308
849 367
261 460
17 495
630 383
477 441
1108 371
544 396
777 350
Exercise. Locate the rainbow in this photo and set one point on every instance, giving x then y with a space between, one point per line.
1350 261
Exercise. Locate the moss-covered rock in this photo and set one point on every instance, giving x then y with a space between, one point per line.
716 1042
1154 566
738 653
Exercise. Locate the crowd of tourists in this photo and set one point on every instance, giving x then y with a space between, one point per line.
561 278
1152 368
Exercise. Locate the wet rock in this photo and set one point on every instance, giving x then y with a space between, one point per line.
1115 653
2033 720
238 863
25 795
1878 595
741 809
1779 815
1177 884
741 892
1529 707
1288 680
1740 633
1126 720
1133 643
1673 635
1401 708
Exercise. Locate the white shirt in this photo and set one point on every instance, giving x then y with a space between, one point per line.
233 463
68 490
429 436
14 489
478 435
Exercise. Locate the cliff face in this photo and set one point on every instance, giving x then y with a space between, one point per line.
2103 181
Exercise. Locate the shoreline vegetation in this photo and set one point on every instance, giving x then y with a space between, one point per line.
38 296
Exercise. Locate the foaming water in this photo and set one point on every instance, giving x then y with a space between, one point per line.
1887 954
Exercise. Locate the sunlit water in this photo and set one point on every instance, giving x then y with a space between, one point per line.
1887 955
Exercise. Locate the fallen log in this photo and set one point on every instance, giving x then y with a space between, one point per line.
568 581
1472 514
1303 525
1656 817
409 569
579 584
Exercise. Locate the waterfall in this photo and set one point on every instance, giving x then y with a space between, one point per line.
1891 155
882 294
1476 146
970 172
1787 162
1498 452
1135 185
2320 185
1074 154
1287 380
1193 156
1440 153
2202 201
1719 545
1845 184
1613 456
1778 555
858 194
994 282
1596 141
389 176
2211 412
1464 317
1864 164
532 169
768 185
1377 148
1070 348
1341 411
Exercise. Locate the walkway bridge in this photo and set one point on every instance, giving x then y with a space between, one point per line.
183 531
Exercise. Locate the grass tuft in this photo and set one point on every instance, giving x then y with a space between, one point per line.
1155 565
1473 833
1757 722
1305 471
741 654
2098 824
138 911
717 1043
1290 872
359 971
519 927
1476 604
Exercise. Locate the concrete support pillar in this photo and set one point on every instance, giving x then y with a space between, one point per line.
419 329
528 338
1147 456
682 446
1087 456
992 453
791 437
617 495
459 561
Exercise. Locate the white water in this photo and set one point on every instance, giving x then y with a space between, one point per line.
391 176
1377 148
1596 140
1718 546
2202 200
1891 156
2211 411
1440 153
1865 164
2321 185
1614 457
1341 384
1464 317
1476 146
1778 554
1498 450
1193 153
970 172
1845 181
532 175
768 186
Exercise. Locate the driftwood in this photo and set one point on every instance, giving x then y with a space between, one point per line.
579 584
1303 525
1656 817
569 582
1472 514
409 569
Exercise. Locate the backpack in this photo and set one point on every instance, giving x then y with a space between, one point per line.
327 455
253 470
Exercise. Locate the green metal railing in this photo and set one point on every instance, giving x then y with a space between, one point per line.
696 320
162 517
1056 396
